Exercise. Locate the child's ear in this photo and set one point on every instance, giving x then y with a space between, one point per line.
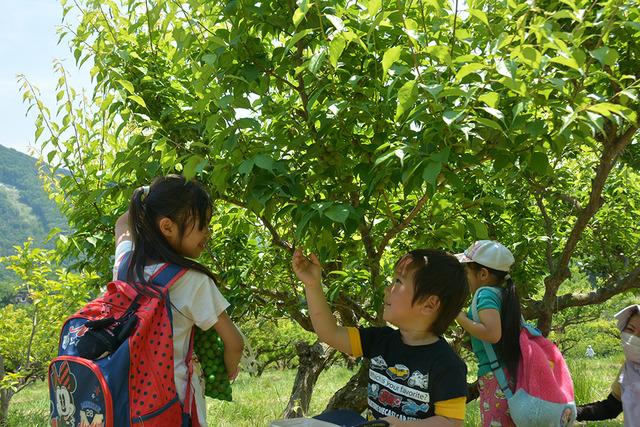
431 305
484 274
167 227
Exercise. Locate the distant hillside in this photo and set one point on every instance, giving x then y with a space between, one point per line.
25 208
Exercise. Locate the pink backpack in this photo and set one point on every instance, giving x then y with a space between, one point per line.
544 389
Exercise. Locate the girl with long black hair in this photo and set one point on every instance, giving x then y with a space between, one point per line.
487 264
168 222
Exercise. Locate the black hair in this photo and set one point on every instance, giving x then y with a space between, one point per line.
185 202
438 273
508 348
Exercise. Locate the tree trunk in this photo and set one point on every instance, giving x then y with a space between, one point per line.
5 397
354 394
313 359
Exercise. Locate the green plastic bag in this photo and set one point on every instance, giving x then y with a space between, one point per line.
209 349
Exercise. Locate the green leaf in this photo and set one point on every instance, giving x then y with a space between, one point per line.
337 213
495 113
630 93
491 99
451 116
248 123
194 165
439 52
488 122
479 228
532 57
246 167
384 157
373 7
407 96
431 172
442 156
434 90
336 47
137 100
264 162
127 85
315 63
336 22
569 62
301 12
517 86
296 38
564 14
502 69
607 109
605 55
389 57
480 15
467 69
539 163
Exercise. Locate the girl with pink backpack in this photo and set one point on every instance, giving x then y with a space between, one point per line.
522 378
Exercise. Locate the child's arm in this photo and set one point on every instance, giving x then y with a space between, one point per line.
489 328
324 323
233 343
122 231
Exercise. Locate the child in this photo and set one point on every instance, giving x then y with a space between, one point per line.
487 263
625 390
415 378
168 222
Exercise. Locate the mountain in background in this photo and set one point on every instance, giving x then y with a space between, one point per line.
25 208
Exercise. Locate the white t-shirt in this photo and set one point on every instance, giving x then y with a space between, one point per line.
195 300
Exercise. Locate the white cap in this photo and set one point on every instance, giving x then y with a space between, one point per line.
488 253
623 315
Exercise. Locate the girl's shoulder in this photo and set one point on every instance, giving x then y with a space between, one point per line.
194 277
489 290
488 297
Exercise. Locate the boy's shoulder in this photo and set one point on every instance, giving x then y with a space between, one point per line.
446 351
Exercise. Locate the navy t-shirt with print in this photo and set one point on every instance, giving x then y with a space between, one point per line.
406 381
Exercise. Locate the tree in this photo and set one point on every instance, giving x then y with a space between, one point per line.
31 331
360 130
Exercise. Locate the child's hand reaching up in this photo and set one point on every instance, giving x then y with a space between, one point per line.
308 269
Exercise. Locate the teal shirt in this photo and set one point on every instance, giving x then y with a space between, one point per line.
486 299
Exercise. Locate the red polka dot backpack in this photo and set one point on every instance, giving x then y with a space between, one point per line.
115 360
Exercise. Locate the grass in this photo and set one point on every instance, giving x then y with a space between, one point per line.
257 401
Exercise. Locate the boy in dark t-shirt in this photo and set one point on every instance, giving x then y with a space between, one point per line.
415 378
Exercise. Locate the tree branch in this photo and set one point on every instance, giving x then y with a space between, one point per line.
548 226
612 287
275 236
608 158
404 224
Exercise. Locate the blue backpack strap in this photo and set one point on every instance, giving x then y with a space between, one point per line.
124 266
533 331
166 276
162 279
488 348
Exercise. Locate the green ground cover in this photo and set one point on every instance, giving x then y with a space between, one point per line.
260 400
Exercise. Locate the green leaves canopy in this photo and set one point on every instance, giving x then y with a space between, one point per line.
359 130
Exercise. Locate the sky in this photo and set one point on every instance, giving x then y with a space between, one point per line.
28 45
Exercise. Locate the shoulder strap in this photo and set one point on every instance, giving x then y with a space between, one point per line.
488 348
164 278
167 275
124 266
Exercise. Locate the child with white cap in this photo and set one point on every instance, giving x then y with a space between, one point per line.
625 390
487 264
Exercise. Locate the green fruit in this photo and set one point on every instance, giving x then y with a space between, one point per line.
209 349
